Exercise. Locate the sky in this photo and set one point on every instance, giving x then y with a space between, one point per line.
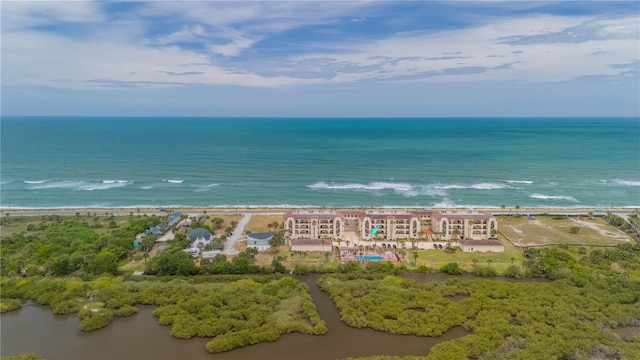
320 58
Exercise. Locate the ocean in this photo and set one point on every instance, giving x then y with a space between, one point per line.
57 162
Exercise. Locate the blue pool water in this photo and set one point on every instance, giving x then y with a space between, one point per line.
369 257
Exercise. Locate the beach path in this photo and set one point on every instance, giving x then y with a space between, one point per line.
229 246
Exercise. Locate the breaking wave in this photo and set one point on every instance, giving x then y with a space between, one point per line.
406 190
553 197
627 182
79 185
206 187
35 181
115 181
479 186
520 181
175 181
356 186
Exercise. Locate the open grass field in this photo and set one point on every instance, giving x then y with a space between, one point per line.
437 258
258 223
546 230
16 224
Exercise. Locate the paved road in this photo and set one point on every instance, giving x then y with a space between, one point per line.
229 246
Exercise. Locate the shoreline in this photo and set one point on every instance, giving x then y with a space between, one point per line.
562 210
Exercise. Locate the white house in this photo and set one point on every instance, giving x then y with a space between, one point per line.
481 245
259 241
200 237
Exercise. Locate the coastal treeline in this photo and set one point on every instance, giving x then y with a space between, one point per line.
568 318
234 312
62 247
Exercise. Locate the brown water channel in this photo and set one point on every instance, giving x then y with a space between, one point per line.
34 329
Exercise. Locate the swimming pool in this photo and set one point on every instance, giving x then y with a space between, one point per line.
369 257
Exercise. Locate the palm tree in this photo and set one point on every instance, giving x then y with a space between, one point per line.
415 258
339 241
323 241
517 208
392 222
502 207
145 255
347 242
475 261
512 260
489 261
313 227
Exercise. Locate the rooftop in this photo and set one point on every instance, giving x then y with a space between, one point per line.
199 233
261 235
480 242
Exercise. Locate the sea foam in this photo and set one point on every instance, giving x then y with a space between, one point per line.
627 182
553 197
520 181
78 185
205 187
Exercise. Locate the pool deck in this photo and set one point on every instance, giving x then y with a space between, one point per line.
347 255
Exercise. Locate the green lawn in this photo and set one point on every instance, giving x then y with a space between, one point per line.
437 258
546 230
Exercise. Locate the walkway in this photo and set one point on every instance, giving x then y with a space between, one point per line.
229 245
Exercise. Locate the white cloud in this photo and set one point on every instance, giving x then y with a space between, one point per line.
427 56
24 14
498 49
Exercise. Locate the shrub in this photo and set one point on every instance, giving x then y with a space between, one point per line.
574 230
513 272
9 305
301 270
484 271
451 269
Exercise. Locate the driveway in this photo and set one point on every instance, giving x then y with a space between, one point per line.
229 246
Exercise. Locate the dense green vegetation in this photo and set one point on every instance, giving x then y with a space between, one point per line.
22 357
568 318
235 312
10 304
62 247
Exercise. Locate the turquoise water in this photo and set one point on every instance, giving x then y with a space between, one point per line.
368 257
127 162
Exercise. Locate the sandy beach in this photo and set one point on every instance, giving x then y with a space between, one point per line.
280 210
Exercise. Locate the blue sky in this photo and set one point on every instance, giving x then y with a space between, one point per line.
321 58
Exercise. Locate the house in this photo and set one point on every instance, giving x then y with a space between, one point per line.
173 218
490 245
185 223
200 237
259 241
157 230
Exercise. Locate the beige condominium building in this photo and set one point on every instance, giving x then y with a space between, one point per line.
391 224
